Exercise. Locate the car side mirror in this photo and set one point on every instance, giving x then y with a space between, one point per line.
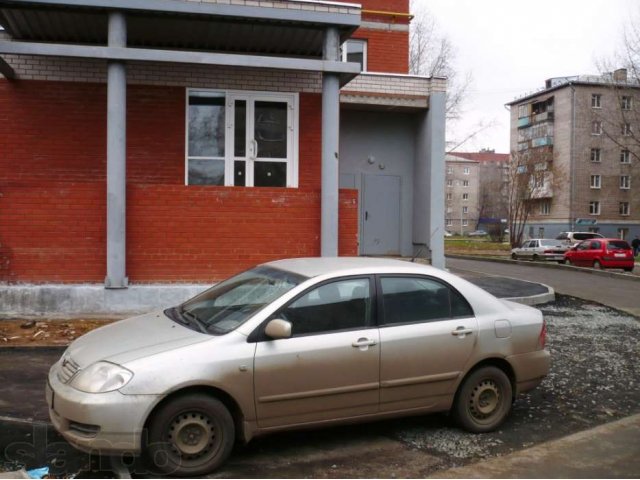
278 328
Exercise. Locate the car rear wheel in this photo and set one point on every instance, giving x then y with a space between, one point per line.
514 256
535 257
597 265
628 269
483 400
190 435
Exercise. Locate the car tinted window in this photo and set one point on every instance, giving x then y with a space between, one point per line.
619 245
414 299
340 305
596 245
583 246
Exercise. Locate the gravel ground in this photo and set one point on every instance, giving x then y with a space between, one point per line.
593 380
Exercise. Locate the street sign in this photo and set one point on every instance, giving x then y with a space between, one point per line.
586 222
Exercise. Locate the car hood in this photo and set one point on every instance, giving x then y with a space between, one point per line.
128 340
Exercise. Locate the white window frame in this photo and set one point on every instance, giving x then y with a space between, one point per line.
625 182
293 128
545 208
626 129
465 196
625 156
449 196
465 222
594 208
466 170
626 103
624 208
596 127
596 155
465 183
596 181
596 100
449 183
365 47
449 222
465 209
449 170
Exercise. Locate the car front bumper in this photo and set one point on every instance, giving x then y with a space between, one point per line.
99 423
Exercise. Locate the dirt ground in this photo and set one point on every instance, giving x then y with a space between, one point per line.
21 333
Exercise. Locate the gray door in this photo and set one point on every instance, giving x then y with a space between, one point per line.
381 215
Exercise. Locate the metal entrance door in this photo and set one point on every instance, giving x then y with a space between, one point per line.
381 215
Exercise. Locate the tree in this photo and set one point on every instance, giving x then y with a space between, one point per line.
622 74
531 178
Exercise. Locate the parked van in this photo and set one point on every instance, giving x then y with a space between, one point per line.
573 238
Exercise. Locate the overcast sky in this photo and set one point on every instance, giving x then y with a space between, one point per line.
511 47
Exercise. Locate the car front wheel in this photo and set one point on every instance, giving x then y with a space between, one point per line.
483 400
597 265
190 435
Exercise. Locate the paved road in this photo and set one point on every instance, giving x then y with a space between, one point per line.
619 293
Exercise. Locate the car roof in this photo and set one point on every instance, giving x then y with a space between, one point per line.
316 266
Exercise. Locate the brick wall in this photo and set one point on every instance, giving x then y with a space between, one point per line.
52 192
387 51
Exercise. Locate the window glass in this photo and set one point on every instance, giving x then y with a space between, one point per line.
271 129
228 304
206 172
206 126
240 128
270 174
619 244
596 245
355 51
341 305
239 173
412 299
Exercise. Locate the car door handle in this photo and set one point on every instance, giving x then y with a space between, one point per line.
363 342
461 331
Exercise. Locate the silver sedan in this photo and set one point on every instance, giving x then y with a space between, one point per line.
290 344
541 249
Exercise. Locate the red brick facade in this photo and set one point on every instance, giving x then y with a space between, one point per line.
53 193
387 51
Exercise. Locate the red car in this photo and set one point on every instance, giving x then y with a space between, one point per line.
601 253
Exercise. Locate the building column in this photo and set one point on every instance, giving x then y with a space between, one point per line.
428 206
330 144
116 157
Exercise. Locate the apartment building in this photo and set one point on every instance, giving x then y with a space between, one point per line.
161 144
582 131
476 194
462 189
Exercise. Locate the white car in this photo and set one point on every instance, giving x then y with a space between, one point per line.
541 249
295 343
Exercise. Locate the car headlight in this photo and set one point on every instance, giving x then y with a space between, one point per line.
101 377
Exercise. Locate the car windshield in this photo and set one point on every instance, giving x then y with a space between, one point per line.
229 304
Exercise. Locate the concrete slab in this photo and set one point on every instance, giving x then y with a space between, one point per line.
611 450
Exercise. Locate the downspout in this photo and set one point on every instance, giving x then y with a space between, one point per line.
572 160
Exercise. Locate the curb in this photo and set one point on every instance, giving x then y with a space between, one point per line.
550 265
522 463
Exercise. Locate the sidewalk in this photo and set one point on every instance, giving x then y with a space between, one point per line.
611 450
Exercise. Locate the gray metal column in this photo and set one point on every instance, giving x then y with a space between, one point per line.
330 143
428 207
116 157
